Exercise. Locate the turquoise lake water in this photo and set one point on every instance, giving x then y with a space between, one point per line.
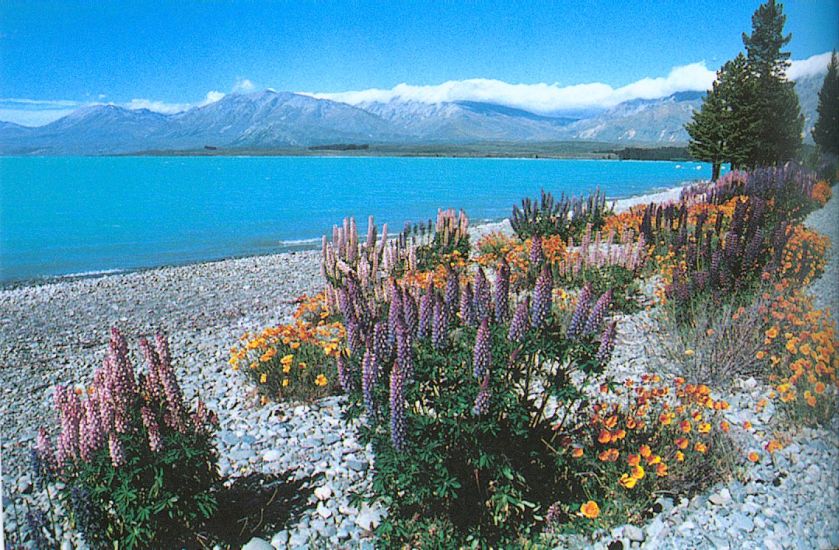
79 215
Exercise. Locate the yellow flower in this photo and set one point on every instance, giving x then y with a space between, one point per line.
628 481
287 359
263 378
302 364
638 472
285 382
286 369
321 380
590 509
680 456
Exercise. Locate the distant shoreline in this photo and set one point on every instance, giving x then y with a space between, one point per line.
560 151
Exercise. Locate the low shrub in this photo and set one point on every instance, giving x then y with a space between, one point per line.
138 468
713 341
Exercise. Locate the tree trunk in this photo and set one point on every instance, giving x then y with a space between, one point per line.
715 171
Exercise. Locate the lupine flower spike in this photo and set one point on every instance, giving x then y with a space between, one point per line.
542 299
482 353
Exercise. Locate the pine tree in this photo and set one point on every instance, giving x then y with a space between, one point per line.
826 130
779 120
724 129
708 134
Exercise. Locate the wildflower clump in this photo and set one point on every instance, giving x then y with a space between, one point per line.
799 349
136 462
297 360
821 192
644 437
804 256
458 383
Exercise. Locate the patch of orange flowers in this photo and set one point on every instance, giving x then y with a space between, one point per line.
645 430
821 192
800 345
495 246
803 257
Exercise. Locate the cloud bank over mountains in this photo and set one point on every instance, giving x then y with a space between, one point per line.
540 98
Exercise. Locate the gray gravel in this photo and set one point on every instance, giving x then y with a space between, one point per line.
826 288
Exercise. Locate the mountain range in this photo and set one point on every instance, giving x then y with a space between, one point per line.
285 120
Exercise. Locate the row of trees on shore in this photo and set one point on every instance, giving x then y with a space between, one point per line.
751 116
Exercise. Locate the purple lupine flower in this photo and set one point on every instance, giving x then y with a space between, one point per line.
481 406
345 304
394 317
152 428
542 299
439 326
483 298
502 292
369 377
381 345
43 447
151 383
520 323
123 369
171 389
91 435
537 256
595 316
116 450
580 315
69 407
467 306
426 313
482 353
405 352
353 336
452 293
607 343
409 313
398 422
344 373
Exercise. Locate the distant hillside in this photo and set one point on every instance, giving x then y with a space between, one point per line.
271 120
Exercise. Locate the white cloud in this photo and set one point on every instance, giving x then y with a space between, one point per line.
157 106
540 97
552 98
243 85
211 97
813 65
171 108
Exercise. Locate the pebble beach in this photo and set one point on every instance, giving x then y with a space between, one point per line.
57 333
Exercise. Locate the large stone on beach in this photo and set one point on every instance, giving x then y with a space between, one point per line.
257 544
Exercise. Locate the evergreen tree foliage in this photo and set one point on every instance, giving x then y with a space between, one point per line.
826 130
779 119
724 130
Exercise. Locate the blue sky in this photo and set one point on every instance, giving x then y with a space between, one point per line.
170 55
